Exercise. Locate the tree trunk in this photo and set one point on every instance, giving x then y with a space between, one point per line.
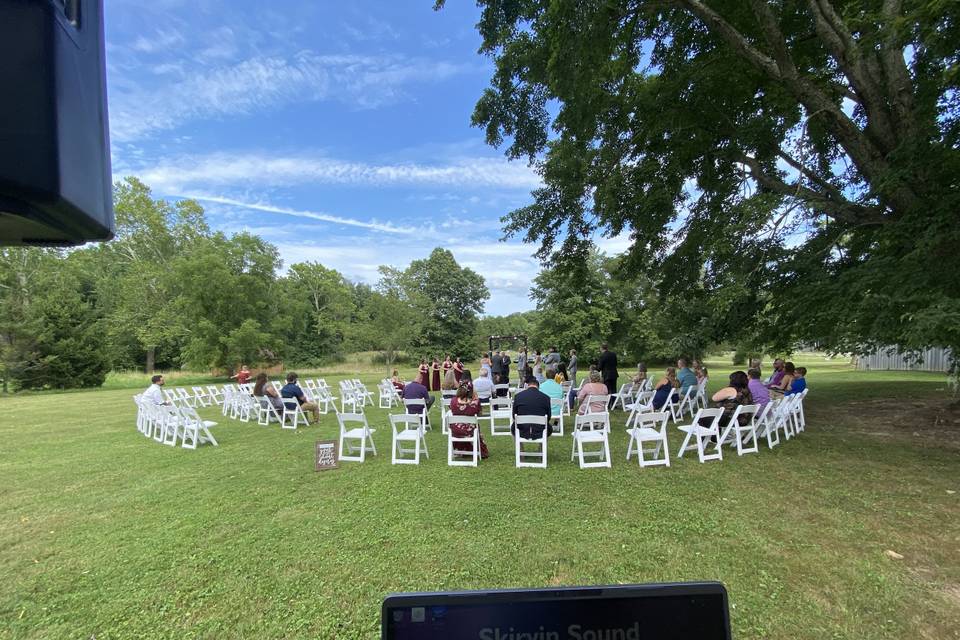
151 358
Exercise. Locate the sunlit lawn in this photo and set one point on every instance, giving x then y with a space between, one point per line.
106 534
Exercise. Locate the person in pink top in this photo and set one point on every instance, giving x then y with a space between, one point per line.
595 387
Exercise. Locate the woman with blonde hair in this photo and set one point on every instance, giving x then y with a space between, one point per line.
449 381
593 388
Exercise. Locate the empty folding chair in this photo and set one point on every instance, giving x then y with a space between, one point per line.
215 394
172 427
591 429
501 413
702 393
688 402
556 412
743 436
445 413
649 427
407 429
673 407
799 419
169 395
353 426
539 453
623 396
766 426
388 395
502 391
195 429
473 454
701 435
201 397
185 396
361 391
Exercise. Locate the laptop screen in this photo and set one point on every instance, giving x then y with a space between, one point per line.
647 612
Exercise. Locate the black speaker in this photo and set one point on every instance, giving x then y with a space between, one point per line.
55 183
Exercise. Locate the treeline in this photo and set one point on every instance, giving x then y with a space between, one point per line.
169 293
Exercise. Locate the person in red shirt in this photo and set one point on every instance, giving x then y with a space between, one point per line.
243 375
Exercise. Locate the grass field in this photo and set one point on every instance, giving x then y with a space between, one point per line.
105 534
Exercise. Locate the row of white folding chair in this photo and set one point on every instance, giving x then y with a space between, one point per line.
389 396
350 397
166 423
320 393
624 396
361 390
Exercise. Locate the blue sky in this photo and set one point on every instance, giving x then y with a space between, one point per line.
340 132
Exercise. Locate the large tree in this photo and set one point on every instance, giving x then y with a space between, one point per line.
797 161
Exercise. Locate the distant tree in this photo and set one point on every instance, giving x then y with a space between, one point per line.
448 298
514 324
797 161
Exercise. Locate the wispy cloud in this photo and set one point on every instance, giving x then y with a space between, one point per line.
239 169
301 213
260 83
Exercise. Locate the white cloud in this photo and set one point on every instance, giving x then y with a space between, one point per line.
259 83
240 169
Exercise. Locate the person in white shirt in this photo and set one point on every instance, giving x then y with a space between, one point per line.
483 386
153 393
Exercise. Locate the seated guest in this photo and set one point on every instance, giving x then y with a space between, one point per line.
553 390
483 386
153 394
561 376
595 387
293 390
799 382
757 389
531 402
777 375
449 381
786 379
685 376
731 397
466 404
641 375
701 373
466 378
666 386
263 390
396 381
417 391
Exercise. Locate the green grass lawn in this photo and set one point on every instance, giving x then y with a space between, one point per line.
106 534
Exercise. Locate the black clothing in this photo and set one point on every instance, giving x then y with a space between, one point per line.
531 402
608 371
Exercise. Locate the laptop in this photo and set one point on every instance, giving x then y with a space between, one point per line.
677 611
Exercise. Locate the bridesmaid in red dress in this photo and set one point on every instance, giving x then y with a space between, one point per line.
435 381
424 376
458 370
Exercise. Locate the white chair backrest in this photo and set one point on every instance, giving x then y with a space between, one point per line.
592 422
530 420
656 420
404 421
713 415
349 418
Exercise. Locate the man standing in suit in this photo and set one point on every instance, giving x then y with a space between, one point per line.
608 369
505 365
496 367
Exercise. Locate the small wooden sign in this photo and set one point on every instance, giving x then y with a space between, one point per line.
326 455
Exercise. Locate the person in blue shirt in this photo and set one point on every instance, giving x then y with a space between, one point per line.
799 382
685 376
293 390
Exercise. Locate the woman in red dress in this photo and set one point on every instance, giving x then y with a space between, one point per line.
458 370
423 377
435 381
466 404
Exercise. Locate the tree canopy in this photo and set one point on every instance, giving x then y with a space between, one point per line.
794 164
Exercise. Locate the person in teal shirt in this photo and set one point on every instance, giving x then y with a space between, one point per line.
685 376
553 389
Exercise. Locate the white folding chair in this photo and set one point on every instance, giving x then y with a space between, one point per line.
349 397
473 454
673 406
500 409
502 391
215 393
388 395
741 434
591 428
796 412
445 413
556 411
169 395
266 411
623 396
424 414
407 428
649 427
362 432
200 397
702 434
702 393
688 402
539 454
597 404
292 414
185 396
766 426
172 426
195 430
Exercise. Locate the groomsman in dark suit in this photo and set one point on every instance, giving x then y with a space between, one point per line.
608 368
505 364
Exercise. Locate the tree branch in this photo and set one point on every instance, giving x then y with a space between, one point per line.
898 83
841 210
